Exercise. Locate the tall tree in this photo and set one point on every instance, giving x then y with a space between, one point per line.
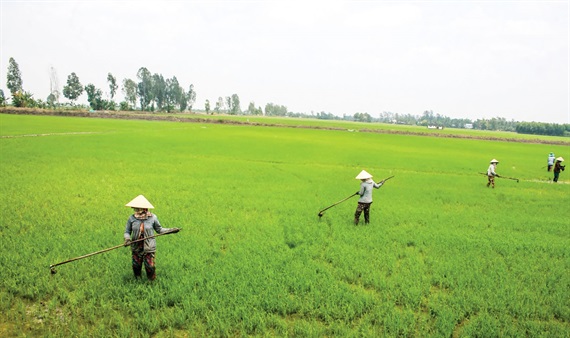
73 89
112 85
229 103
14 77
207 107
219 105
191 97
235 106
144 88
251 108
173 94
159 89
130 91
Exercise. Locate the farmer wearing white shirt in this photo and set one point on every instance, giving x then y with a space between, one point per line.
550 161
365 193
491 173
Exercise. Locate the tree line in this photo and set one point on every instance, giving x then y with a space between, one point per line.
152 92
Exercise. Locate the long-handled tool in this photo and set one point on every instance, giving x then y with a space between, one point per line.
508 178
52 267
322 211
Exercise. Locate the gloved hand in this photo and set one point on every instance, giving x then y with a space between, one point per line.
175 230
357 193
497 175
127 242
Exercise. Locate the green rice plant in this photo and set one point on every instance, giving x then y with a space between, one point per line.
443 256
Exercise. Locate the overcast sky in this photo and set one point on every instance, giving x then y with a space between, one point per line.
462 59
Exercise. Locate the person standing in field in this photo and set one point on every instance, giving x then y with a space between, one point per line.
365 194
550 162
143 224
491 174
558 167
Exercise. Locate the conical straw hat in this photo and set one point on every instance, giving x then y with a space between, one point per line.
363 175
560 159
494 161
140 202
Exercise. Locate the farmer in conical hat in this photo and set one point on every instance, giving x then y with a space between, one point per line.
365 193
142 224
550 161
491 174
558 167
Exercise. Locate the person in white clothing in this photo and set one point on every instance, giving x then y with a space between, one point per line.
491 174
550 162
365 194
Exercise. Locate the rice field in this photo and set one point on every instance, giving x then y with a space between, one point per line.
443 255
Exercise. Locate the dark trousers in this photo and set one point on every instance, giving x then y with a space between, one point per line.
359 209
140 258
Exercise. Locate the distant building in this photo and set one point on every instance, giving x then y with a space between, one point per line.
468 125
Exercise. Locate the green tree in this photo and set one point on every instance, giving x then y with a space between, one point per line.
173 94
51 100
73 89
23 99
182 99
14 77
95 97
275 110
191 97
251 108
112 85
207 107
2 98
234 105
362 117
144 88
228 103
159 92
124 106
219 105
130 92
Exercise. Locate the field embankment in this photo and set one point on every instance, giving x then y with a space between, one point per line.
298 123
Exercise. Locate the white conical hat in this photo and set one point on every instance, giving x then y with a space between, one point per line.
560 159
494 161
140 202
363 175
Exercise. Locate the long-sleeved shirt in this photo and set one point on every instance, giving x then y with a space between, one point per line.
151 224
551 160
366 190
491 170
